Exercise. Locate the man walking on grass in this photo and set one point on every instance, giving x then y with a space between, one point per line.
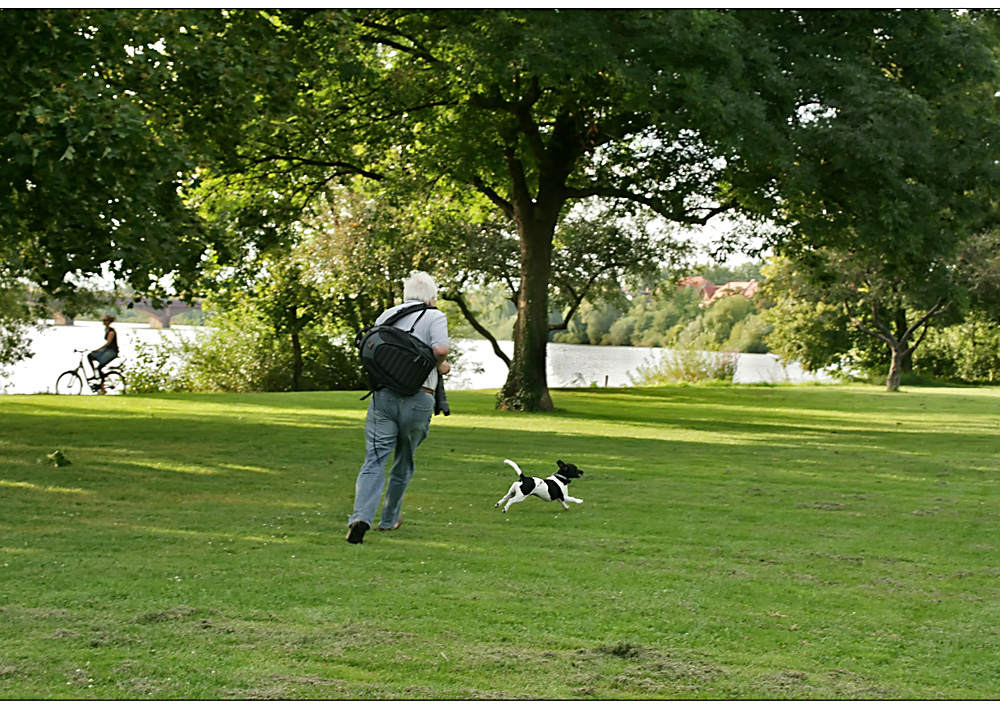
398 424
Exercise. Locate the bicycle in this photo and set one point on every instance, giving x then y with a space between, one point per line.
108 380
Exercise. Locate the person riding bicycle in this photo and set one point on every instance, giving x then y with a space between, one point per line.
101 356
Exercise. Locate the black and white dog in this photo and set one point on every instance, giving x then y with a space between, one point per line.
549 489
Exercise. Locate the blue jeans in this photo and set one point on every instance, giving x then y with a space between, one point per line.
101 357
394 424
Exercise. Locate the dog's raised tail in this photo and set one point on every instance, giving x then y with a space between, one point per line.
512 464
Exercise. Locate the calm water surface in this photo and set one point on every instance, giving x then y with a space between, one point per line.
568 365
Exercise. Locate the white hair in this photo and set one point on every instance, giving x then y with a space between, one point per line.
420 286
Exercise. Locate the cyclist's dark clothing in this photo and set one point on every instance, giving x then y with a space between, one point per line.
107 353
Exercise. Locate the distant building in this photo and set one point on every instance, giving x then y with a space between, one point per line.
711 292
700 283
744 288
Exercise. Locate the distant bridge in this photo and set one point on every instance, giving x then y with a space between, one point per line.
159 318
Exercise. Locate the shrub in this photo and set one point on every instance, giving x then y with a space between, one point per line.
968 352
240 352
15 322
686 365
158 367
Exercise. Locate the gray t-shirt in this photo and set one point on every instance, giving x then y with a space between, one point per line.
431 328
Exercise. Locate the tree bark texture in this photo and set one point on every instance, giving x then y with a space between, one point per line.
526 388
892 382
296 353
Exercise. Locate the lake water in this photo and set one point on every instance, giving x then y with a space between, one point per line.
587 365
568 365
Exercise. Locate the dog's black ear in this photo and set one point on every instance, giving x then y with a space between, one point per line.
569 469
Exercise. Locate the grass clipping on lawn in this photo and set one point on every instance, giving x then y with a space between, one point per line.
734 542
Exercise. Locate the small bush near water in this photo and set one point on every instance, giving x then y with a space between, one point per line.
240 353
686 366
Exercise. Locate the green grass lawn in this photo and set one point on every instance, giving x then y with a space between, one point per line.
734 542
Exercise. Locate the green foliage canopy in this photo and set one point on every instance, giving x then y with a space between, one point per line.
105 116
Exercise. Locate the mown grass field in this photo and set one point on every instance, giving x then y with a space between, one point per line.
735 542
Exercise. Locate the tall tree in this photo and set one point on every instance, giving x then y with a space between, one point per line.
888 189
906 170
687 112
534 110
826 306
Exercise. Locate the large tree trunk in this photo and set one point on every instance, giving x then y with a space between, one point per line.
536 215
899 355
526 388
296 352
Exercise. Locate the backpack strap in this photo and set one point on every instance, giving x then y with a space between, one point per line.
403 312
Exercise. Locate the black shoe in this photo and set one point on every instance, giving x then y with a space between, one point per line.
356 532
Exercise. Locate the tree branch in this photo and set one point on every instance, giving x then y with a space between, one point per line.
577 301
880 332
376 120
346 168
505 206
526 124
414 48
939 307
478 326
522 195
679 215
574 306
887 339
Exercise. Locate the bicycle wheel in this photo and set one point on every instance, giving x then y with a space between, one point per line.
114 382
69 383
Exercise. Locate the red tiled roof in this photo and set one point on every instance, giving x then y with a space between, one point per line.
698 283
711 292
744 288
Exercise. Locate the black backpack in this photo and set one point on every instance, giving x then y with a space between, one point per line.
395 358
